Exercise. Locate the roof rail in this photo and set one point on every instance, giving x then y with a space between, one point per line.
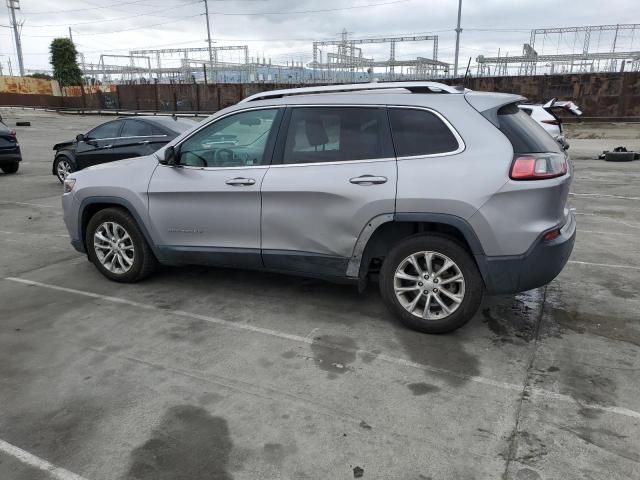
413 87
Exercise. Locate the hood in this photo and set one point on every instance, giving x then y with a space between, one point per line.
122 164
60 145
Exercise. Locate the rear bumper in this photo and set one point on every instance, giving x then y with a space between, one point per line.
539 266
10 156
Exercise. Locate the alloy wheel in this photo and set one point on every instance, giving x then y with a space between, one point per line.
114 247
63 169
429 285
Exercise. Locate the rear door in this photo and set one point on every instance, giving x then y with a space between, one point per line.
137 139
97 147
333 171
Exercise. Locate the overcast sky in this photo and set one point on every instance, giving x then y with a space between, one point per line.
283 29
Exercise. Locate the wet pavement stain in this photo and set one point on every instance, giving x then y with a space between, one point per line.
606 440
589 388
612 327
527 474
422 388
513 319
334 360
444 352
274 453
188 444
365 425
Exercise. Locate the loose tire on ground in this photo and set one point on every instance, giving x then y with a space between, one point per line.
10 167
444 247
619 156
144 262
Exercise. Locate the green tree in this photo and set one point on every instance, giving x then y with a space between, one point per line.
63 60
42 76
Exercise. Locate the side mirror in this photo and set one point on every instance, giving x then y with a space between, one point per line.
80 137
171 157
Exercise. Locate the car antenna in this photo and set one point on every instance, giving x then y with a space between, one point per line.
174 116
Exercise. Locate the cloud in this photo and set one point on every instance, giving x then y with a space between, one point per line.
129 24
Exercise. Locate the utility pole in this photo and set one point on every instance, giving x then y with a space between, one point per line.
14 5
458 30
206 12
70 35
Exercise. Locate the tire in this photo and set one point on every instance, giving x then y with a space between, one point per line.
141 258
619 156
441 248
10 167
58 162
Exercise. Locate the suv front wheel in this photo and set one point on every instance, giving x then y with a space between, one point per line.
431 283
117 247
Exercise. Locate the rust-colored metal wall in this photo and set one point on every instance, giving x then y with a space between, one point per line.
598 94
614 95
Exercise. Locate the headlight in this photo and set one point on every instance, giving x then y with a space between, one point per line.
69 184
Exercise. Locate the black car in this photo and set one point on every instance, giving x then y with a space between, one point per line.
10 156
116 140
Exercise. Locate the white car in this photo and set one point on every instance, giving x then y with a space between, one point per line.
552 123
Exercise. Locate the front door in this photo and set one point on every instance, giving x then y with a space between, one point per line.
97 146
334 171
207 209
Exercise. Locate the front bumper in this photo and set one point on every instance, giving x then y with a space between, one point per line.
71 209
539 266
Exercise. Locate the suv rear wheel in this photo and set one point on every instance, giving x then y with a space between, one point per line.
117 247
431 283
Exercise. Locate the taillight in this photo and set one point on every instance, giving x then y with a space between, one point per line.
551 235
12 133
551 122
538 166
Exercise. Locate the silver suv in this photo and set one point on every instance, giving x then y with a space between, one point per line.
440 194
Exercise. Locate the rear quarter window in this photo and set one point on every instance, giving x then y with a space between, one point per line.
524 133
419 132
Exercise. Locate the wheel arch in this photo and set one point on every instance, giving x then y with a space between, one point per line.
385 231
92 205
62 153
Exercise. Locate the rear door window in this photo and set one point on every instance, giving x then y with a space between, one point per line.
524 133
418 132
136 128
106 130
336 134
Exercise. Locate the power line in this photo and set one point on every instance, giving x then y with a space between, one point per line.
299 12
75 10
193 2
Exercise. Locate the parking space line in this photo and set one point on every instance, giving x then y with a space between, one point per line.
608 265
4 202
621 197
300 339
27 458
608 233
48 235
613 219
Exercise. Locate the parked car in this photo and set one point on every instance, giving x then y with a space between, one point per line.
440 194
547 117
116 140
10 156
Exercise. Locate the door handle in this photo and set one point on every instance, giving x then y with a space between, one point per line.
240 181
104 147
368 180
